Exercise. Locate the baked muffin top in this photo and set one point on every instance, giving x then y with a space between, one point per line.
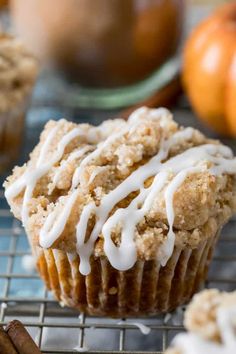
211 322
18 71
126 189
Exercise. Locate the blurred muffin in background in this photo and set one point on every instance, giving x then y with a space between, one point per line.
210 321
18 71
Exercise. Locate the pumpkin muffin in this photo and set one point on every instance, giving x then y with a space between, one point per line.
123 218
211 324
18 71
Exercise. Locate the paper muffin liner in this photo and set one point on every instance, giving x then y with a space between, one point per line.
146 289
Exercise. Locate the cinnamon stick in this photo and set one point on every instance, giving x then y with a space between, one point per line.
21 338
6 346
161 98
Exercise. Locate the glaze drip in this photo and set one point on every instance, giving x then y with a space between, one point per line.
75 155
29 179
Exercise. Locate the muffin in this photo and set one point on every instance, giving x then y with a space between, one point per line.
211 324
18 70
123 218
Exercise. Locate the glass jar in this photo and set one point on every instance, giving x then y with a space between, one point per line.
117 51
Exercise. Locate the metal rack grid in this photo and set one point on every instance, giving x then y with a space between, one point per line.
57 329
44 318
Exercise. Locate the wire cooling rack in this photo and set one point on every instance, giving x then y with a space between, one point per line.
60 330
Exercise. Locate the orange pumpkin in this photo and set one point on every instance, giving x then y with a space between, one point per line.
209 70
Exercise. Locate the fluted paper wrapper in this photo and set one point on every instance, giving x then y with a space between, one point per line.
146 289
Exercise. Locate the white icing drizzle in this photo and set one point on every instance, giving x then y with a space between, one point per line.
77 154
95 154
81 349
124 256
96 172
168 176
154 114
133 121
55 223
28 263
168 247
133 183
145 330
17 186
29 179
190 343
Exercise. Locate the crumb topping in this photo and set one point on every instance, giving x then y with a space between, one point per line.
201 316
